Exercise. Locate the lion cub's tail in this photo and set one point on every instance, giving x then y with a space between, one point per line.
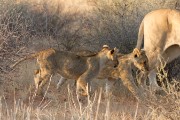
32 56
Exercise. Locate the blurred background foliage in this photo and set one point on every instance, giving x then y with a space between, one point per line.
27 26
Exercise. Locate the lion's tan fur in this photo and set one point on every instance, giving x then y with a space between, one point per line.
127 63
136 59
161 32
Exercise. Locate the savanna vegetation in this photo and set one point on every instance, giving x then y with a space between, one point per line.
27 26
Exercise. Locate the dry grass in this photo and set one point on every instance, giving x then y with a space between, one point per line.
20 103
66 105
31 25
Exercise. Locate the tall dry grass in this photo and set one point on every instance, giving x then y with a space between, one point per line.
94 108
31 25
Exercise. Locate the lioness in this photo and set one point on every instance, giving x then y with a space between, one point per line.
161 31
70 65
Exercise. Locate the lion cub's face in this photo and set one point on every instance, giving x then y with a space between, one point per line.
140 60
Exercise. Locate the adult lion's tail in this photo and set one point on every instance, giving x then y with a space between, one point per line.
140 35
32 56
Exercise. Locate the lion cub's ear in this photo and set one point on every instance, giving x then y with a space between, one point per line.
36 72
112 51
143 52
106 46
136 52
116 50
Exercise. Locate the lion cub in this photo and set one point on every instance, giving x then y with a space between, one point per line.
70 65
